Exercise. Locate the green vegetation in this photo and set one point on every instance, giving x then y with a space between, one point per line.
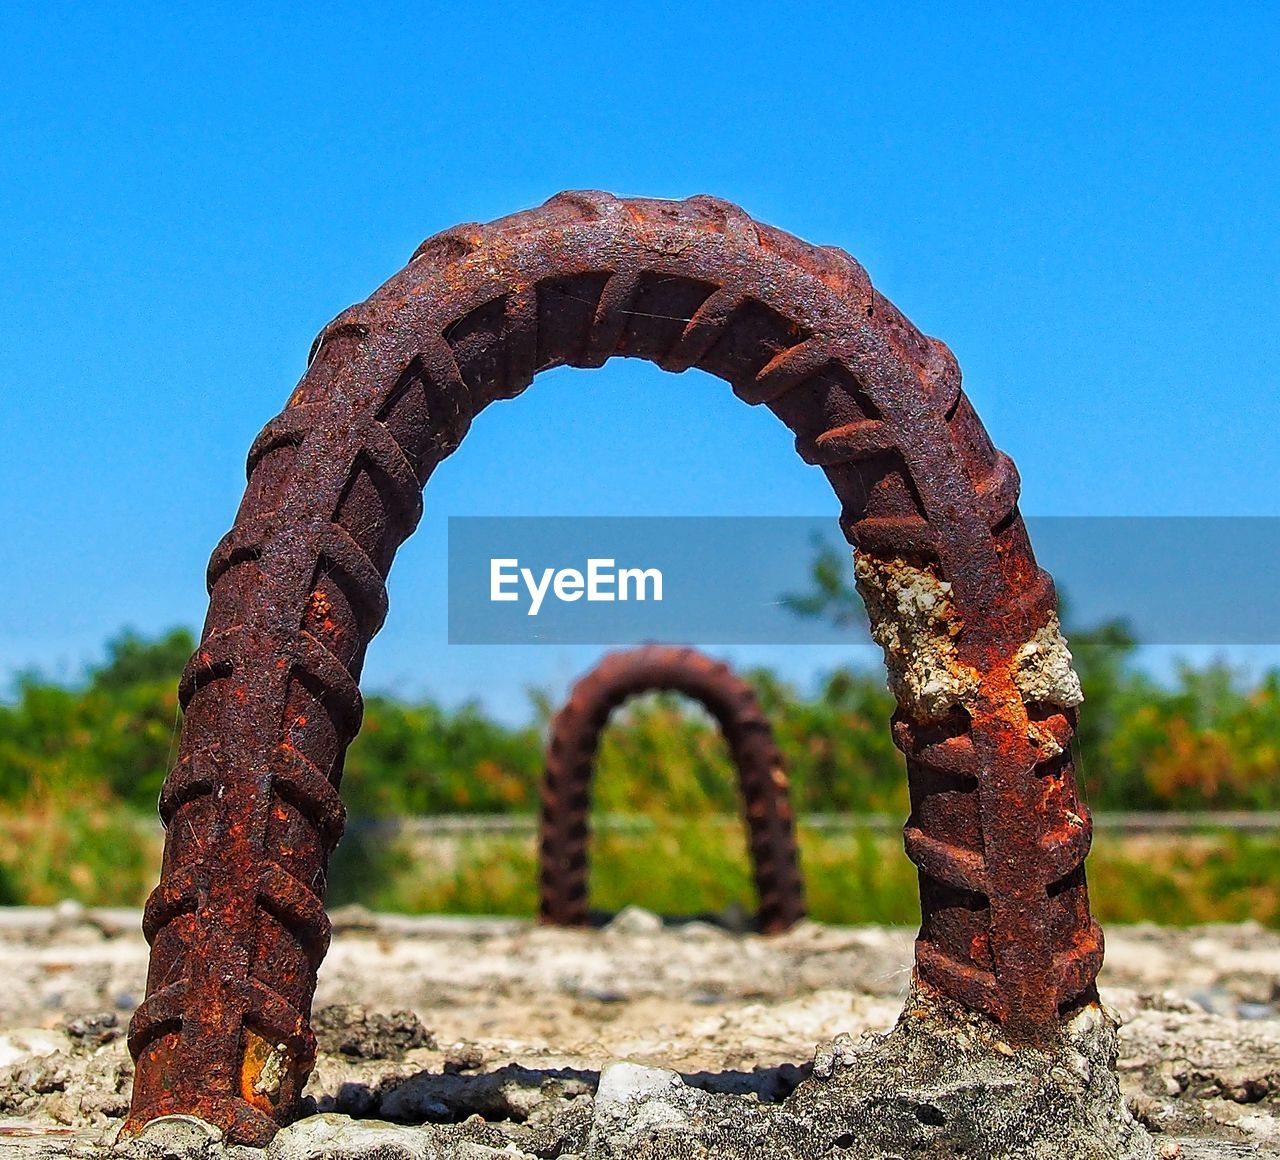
857 876
81 765
1206 740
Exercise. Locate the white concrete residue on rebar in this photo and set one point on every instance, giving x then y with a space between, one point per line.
272 1073
1044 673
915 622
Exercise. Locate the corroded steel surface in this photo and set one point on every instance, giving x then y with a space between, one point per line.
571 753
251 806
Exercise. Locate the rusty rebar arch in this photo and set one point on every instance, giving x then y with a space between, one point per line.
252 811
574 740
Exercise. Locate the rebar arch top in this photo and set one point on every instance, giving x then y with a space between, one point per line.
251 807
572 745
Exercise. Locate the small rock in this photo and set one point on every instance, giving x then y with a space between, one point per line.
1248 1090
46 1074
111 1105
94 1030
622 1083
172 1138
355 1099
633 920
828 1056
463 1057
698 931
334 1137
68 912
633 1103
62 1108
649 1113
349 1029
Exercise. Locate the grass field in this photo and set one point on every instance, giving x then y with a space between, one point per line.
852 877
669 864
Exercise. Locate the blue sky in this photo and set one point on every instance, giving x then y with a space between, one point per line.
1081 201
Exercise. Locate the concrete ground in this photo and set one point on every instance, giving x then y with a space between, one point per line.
434 1020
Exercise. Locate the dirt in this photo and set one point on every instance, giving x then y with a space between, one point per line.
439 1019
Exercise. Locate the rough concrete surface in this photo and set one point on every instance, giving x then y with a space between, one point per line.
454 1038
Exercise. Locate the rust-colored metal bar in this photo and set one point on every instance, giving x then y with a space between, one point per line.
251 807
574 740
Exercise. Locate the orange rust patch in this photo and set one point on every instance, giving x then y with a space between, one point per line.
264 1070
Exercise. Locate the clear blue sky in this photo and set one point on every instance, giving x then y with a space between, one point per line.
1081 201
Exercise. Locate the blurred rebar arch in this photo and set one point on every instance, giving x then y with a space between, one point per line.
572 746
